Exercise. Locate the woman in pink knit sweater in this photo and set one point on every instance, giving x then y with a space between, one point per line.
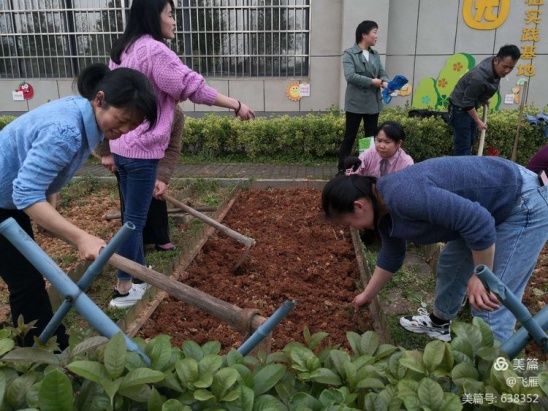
136 154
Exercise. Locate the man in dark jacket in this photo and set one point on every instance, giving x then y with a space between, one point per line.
474 89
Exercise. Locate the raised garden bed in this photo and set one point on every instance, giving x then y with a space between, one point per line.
298 256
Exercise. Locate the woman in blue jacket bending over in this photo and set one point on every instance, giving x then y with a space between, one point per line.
39 153
489 211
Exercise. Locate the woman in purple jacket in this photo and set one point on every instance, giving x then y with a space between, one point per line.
489 211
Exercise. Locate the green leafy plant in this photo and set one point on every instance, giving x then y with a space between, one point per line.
100 374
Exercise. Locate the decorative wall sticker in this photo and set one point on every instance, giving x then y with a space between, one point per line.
293 91
26 89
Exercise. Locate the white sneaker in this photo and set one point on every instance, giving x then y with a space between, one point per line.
422 324
134 295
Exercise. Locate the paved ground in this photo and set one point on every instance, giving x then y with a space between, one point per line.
238 171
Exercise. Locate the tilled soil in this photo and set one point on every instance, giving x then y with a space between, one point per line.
298 256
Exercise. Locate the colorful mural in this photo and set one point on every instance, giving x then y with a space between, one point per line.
433 93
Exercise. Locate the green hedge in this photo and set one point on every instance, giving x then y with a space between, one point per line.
5 120
319 136
96 375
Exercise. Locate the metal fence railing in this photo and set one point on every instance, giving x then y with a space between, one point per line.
218 38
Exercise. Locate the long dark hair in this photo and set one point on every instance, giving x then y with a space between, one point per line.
339 194
123 88
144 18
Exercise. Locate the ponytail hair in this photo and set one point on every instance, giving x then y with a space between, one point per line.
341 192
123 88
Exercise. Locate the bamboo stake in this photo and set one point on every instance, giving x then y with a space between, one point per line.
524 92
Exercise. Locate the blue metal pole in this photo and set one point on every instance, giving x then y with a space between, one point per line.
45 265
87 278
265 328
516 342
511 302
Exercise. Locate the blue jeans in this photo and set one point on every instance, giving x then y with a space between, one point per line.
137 178
520 239
464 132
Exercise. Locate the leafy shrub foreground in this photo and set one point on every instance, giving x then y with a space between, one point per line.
99 375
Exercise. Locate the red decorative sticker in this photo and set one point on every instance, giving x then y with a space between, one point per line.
26 89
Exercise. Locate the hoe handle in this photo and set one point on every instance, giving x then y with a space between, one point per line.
248 241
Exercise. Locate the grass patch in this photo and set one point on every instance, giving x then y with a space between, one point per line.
411 287
403 338
242 159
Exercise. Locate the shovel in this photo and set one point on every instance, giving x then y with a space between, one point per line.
248 242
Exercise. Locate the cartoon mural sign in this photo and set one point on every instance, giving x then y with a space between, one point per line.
433 93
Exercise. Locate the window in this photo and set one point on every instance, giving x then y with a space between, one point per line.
54 38
239 38
218 38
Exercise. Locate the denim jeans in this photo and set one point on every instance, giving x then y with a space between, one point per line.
520 239
464 131
137 178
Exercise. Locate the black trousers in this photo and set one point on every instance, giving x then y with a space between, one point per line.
156 229
27 289
353 120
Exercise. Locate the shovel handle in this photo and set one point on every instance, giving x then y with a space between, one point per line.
482 134
248 241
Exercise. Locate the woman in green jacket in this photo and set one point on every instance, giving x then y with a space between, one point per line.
365 76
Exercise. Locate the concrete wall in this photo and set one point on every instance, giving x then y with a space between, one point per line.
424 33
415 39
